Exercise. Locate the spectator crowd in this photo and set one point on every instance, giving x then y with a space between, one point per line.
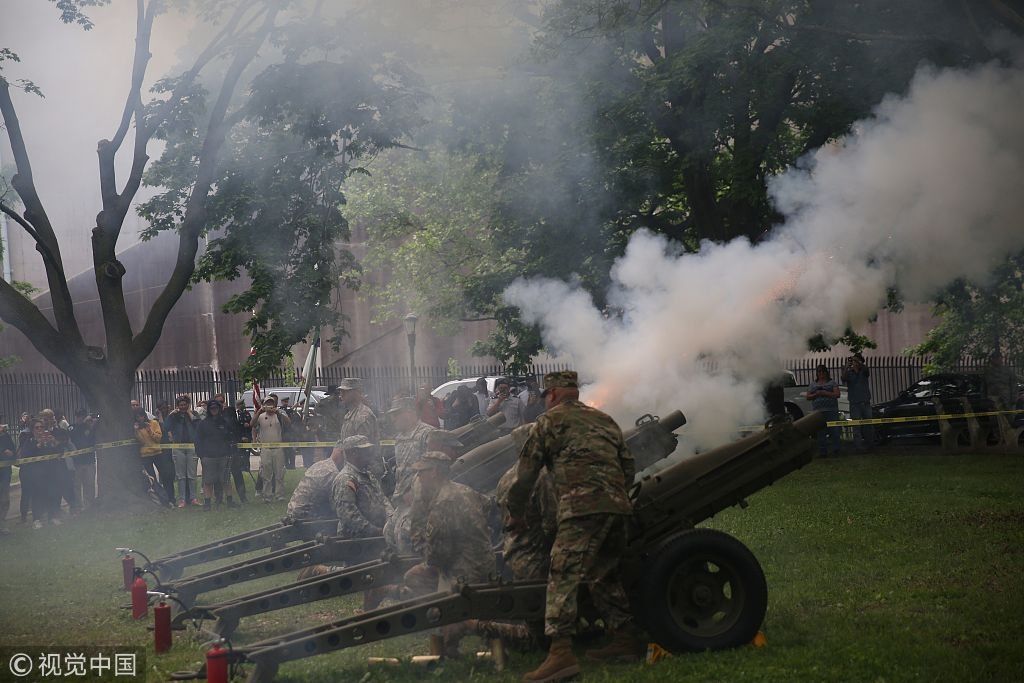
190 454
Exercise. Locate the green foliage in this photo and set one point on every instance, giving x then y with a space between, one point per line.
855 342
668 116
7 55
976 319
276 211
73 11
454 369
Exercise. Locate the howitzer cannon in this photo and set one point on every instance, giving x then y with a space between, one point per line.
650 440
692 589
287 531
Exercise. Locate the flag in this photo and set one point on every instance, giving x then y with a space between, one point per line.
257 397
309 370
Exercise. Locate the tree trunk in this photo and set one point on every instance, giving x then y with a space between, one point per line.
121 482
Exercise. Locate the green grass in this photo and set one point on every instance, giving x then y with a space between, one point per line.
880 568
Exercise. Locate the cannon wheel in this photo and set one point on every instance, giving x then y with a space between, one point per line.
704 591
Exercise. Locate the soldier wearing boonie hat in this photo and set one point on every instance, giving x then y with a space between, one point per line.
358 419
566 379
359 503
410 438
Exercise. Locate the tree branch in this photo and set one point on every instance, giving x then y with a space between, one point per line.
35 214
17 310
107 149
195 212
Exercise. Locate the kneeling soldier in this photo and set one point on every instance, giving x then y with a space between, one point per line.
357 498
312 496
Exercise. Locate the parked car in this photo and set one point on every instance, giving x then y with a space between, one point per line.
919 399
444 390
797 405
293 393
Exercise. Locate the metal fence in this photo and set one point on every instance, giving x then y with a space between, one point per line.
889 374
34 391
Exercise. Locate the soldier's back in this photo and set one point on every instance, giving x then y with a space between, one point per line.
588 460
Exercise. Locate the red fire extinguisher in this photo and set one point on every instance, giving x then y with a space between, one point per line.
140 601
217 664
162 627
128 570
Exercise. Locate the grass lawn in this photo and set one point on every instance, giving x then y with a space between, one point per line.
880 568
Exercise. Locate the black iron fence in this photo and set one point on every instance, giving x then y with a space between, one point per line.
32 392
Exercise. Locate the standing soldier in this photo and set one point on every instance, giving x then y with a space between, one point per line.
358 419
589 465
358 501
410 440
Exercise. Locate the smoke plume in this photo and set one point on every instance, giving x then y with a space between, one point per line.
926 191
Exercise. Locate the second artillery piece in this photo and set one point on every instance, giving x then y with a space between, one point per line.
691 589
277 536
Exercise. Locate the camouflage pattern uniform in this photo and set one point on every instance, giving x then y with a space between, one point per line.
409 448
361 421
329 413
528 552
361 506
398 528
589 464
312 496
454 538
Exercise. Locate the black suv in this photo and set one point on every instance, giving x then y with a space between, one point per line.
949 389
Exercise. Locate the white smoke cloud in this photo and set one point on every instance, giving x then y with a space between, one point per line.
927 190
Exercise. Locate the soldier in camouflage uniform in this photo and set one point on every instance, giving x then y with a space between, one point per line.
453 540
359 419
527 550
398 530
329 412
410 439
312 496
590 467
360 505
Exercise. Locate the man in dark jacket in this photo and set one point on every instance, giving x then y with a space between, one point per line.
215 441
83 435
180 427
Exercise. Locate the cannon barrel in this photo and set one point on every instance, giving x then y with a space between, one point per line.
649 440
478 432
694 488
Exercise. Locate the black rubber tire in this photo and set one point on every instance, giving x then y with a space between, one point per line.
704 590
793 411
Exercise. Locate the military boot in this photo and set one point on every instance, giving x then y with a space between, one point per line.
560 665
623 647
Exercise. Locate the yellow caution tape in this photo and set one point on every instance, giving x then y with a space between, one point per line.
893 420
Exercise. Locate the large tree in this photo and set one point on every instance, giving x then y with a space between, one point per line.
260 135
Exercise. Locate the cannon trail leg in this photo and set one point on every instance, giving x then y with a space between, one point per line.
346 581
171 567
295 557
482 601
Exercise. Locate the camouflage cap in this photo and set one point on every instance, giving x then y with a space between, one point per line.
442 437
355 441
432 459
402 403
351 384
567 379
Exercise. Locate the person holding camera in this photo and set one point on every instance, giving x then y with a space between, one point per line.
823 393
855 377
507 404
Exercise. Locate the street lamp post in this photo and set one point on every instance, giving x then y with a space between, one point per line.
410 333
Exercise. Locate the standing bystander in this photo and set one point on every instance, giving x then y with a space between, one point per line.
855 377
823 393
